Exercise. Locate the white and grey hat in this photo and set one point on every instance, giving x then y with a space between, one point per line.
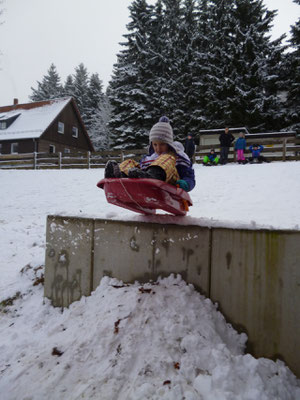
162 131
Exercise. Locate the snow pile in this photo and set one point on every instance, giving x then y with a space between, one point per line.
161 340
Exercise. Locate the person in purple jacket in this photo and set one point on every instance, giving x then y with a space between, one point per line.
165 161
256 156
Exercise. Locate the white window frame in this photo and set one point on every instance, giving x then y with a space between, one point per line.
12 151
3 125
53 149
67 151
61 128
74 132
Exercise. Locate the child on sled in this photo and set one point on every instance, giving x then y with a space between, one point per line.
211 159
165 160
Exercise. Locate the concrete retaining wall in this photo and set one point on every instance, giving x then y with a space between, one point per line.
253 275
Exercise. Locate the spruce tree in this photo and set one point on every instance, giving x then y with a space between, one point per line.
99 131
293 82
258 61
171 55
95 97
129 123
188 45
81 83
69 86
204 64
219 34
200 70
244 65
155 68
49 88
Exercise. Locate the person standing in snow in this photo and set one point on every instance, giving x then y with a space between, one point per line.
256 156
240 147
189 146
226 139
165 160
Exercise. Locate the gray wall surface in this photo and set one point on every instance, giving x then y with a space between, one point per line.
253 275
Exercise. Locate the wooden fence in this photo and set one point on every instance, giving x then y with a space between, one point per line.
275 149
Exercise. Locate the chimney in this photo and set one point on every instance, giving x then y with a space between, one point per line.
16 101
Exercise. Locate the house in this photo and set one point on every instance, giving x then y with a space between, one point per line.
48 126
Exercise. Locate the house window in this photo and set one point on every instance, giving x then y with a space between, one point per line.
0 148
67 151
61 127
3 125
14 148
51 149
75 131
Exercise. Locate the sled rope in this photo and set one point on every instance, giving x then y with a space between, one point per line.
129 195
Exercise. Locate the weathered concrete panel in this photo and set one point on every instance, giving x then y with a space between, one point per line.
255 277
141 251
68 272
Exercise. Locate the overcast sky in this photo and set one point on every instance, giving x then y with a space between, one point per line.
36 33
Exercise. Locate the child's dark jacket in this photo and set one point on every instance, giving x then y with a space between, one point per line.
189 147
226 139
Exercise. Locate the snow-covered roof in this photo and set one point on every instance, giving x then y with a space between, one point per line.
32 120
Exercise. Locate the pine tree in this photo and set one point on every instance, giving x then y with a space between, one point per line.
173 52
129 123
95 97
155 69
49 88
293 82
99 131
188 45
81 84
202 63
244 65
69 86
202 71
258 61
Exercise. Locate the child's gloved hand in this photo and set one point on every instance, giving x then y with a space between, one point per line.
183 184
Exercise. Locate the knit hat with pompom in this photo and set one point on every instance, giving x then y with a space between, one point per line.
162 131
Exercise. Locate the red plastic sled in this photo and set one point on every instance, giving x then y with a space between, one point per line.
145 196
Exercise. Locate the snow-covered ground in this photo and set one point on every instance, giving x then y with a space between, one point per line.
153 341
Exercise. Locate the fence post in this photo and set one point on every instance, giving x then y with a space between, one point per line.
34 160
89 159
59 160
122 156
284 149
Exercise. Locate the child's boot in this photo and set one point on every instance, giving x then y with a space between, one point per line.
112 170
151 173
157 173
138 173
